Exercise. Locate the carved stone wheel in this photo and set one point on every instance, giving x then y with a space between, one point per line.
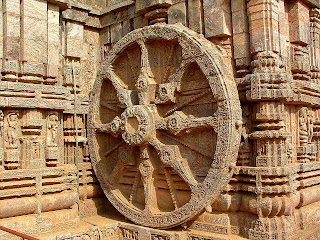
164 125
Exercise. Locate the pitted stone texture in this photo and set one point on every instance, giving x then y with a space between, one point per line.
164 125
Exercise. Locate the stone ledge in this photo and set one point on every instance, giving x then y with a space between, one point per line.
314 3
117 6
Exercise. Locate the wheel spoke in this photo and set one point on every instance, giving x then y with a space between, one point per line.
146 170
170 156
111 107
113 127
146 85
171 189
124 95
114 148
201 152
166 93
117 173
178 74
134 187
187 102
179 123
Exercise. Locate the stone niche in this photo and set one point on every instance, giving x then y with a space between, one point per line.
160 119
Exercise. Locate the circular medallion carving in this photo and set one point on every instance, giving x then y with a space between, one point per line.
163 125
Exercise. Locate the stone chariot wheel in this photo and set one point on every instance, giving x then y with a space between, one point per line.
164 125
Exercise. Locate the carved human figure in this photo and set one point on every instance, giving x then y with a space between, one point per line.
53 125
311 118
303 126
12 134
244 153
306 121
1 139
1 118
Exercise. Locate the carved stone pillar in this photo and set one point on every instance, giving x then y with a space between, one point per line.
315 44
299 30
34 40
11 40
268 90
73 32
156 11
71 135
270 148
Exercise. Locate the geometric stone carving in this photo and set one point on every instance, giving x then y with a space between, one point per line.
164 125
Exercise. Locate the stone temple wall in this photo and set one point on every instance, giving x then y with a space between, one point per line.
50 55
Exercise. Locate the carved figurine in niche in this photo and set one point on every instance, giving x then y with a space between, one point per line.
306 120
303 126
311 119
1 139
35 150
53 128
12 133
1 118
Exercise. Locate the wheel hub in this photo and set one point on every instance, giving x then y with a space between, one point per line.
137 125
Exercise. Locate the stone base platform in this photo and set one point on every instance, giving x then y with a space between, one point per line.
108 227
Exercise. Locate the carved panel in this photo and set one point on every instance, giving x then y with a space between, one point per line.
53 139
12 136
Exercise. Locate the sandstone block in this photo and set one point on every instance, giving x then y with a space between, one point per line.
75 15
12 6
12 25
12 48
238 5
116 32
53 33
52 153
139 22
195 15
127 26
35 51
74 39
53 14
178 14
74 47
239 22
74 30
35 8
10 66
29 68
105 36
34 29
299 22
144 4
217 18
241 43
52 70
